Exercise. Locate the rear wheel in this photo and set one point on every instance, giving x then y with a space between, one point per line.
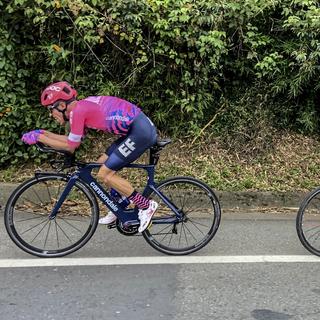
201 214
27 216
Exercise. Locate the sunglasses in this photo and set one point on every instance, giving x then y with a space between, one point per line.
51 107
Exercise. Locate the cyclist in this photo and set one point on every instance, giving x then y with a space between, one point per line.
110 114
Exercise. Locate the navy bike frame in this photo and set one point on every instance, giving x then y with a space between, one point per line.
128 217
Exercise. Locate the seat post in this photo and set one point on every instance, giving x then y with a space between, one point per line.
154 155
155 150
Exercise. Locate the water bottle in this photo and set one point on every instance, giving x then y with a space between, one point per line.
122 200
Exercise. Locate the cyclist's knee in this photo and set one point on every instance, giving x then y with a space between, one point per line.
108 178
105 174
103 158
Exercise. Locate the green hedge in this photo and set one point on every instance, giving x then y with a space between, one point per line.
194 66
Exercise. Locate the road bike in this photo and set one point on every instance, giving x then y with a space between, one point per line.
56 213
308 222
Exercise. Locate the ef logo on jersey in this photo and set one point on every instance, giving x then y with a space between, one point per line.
127 147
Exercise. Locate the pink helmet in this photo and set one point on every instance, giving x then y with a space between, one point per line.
57 91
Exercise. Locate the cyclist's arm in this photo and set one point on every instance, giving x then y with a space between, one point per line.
70 142
60 144
55 136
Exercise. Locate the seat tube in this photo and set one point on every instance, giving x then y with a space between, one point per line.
63 196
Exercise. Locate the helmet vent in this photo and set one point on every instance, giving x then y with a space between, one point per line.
66 90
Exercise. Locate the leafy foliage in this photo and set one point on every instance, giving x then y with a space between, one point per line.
183 61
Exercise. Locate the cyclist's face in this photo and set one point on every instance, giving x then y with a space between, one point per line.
57 115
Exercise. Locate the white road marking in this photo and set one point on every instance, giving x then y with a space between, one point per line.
65 262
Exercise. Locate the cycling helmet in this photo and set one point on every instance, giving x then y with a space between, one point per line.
58 91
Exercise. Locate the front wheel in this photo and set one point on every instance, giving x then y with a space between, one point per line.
308 222
200 209
27 219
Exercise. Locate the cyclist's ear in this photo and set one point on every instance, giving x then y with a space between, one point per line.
62 105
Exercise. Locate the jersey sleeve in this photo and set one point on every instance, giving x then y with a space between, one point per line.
77 126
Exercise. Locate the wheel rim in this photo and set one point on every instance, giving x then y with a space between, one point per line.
199 224
36 233
309 224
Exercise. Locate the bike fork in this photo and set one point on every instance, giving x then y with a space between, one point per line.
63 196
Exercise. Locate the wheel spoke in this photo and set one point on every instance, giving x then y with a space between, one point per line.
48 221
314 234
32 202
28 219
46 239
165 235
37 195
184 231
70 224
309 230
171 236
180 234
166 227
49 193
59 227
191 232
56 229
195 223
34 226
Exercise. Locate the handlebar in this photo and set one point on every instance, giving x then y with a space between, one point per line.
47 149
69 158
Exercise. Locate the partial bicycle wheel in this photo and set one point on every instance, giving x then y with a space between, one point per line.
308 222
201 213
27 216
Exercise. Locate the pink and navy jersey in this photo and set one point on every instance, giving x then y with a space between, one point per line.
105 113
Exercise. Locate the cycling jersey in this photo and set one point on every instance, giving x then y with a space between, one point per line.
106 113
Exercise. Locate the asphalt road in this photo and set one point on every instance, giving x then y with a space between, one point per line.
234 290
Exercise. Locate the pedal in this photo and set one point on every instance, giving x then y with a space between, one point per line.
111 225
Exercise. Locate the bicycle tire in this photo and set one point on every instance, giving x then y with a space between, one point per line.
28 208
177 189
308 222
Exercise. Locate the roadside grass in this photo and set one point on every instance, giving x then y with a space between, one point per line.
290 163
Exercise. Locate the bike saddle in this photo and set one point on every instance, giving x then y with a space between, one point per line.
162 142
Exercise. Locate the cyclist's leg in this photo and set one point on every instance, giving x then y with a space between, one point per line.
125 150
140 138
108 174
110 217
102 159
102 175
113 180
